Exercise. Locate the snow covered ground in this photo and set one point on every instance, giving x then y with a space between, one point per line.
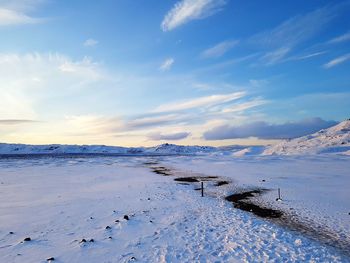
59 201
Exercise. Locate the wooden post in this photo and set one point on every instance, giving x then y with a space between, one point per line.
202 188
279 193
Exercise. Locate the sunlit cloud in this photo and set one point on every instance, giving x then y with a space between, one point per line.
29 79
185 11
199 102
337 61
15 122
245 106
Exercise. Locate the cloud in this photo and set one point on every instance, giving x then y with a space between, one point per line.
90 42
275 56
16 122
244 106
257 83
199 102
167 64
343 38
307 56
264 130
168 137
28 80
185 11
11 17
283 39
297 29
219 49
151 121
337 61
16 12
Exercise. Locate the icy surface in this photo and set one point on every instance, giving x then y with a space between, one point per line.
58 201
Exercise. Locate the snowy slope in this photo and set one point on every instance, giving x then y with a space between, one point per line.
335 139
102 149
163 149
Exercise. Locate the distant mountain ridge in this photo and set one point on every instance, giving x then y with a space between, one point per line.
102 149
335 139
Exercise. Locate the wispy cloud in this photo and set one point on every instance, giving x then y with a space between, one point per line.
167 64
307 56
337 61
17 12
258 82
12 17
90 42
185 11
156 136
283 39
153 120
219 49
199 102
16 121
245 106
275 56
343 38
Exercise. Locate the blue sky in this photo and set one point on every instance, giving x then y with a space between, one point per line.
212 72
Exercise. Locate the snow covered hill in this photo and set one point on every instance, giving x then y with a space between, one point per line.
335 139
163 149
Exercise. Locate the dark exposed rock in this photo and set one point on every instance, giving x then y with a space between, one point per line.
83 240
27 239
50 259
126 217
220 183
241 201
108 227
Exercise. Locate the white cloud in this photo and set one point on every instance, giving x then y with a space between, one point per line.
311 55
245 106
337 61
200 102
275 56
15 12
343 38
219 49
11 17
286 37
296 29
185 11
90 42
29 79
167 64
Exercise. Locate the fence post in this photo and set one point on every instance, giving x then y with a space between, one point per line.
202 188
